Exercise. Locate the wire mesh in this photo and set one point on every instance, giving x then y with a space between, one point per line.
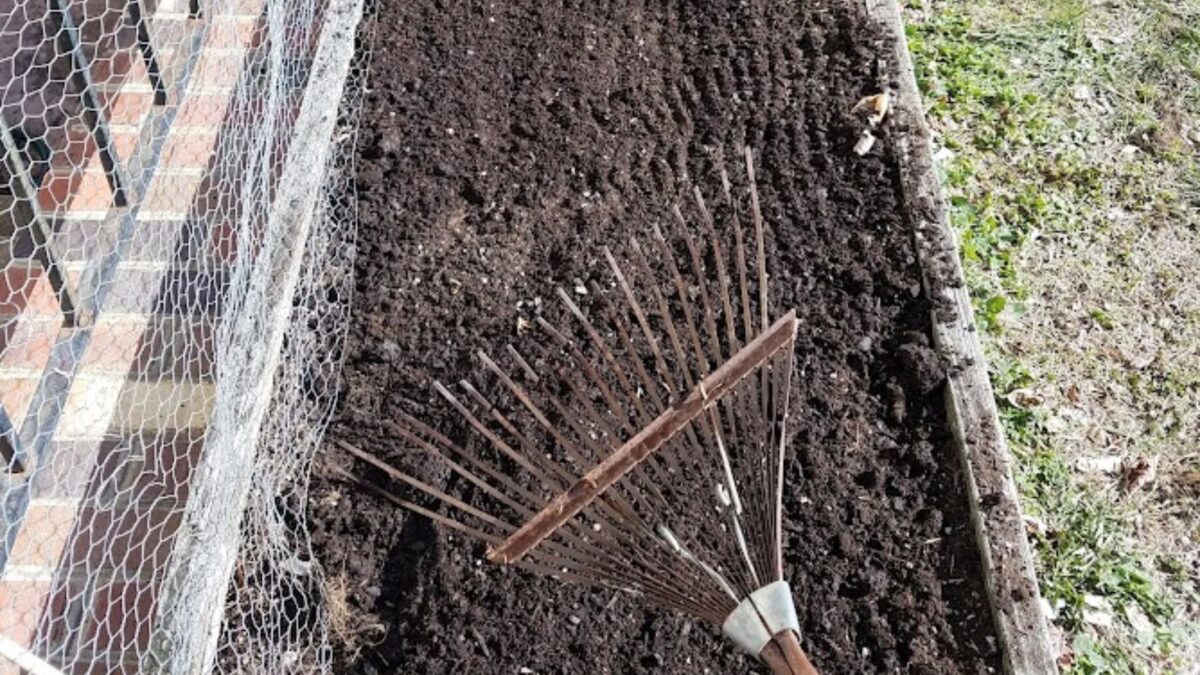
176 248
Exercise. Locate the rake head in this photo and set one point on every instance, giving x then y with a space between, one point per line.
641 447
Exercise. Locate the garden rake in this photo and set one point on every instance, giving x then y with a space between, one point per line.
644 450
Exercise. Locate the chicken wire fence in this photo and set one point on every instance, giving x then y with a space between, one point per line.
176 249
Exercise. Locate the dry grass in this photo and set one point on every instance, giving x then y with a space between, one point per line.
350 629
1070 136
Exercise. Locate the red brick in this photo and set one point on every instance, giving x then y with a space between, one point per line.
43 534
26 289
171 194
203 110
125 144
113 347
68 471
26 344
15 397
219 69
128 537
122 617
23 603
228 32
191 150
128 106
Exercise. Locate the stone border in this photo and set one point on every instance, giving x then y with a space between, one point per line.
970 402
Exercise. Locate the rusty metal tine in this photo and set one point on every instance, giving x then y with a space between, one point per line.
606 353
516 390
496 441
685 303
422 486
432 515
756 211
516 356
474 460
594 375
660 364
508 483
714 240
664 311
710 322
739 259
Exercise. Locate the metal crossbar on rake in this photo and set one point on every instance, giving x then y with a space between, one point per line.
654 463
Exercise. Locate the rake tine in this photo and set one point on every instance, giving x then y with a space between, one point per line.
621 506
714 240
516 390
521 460
590 370
689 319
432 515
660 364
664 311
516 356
758 238
602 346
739 258
470 458
457 468
667 425
710 322
403 477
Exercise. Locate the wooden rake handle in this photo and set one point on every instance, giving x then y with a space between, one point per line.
785 657
563 507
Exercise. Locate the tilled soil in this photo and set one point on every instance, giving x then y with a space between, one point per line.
503 145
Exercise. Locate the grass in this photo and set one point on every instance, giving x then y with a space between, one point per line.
1068 139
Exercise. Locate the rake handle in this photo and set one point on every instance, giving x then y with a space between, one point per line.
785 657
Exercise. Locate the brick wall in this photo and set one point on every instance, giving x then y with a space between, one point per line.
103 502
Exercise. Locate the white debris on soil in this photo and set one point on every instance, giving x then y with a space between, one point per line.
864 144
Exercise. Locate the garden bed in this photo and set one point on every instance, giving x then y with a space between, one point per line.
503 146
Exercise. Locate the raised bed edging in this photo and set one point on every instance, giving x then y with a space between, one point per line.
1011 582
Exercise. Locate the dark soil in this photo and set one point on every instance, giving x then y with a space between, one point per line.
503 144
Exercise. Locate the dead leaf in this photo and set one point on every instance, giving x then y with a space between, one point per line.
1025 399
1097 611
877 105
1142 354
1072 393
1062 647
1101 464
1136 473
1138 619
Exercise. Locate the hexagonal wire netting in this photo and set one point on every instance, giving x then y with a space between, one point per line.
174 277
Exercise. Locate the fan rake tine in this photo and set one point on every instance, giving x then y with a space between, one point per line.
415 427
710 322
475 480
660 363
602 346
403 477
756 211
571 449
523 461
521 363
415 508
714 240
